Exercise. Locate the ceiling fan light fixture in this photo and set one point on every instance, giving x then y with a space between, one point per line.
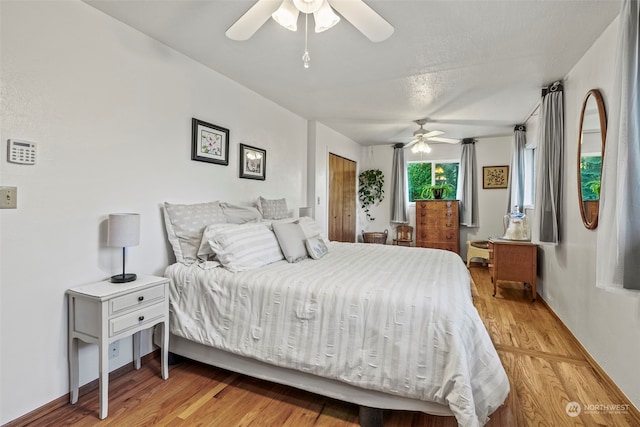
287 15
308 6
421 147
325 17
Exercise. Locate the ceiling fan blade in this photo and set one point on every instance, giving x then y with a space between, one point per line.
365 19
432 133
447 140
410 143
252 20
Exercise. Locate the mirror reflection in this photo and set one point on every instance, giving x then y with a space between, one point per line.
593 129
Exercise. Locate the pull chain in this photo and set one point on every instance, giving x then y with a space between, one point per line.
306 58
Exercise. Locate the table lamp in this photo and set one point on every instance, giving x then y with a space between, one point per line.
123 231
304 211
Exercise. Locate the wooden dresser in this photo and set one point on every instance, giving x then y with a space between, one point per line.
437 224
513 261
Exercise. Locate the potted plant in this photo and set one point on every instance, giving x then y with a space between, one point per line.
370 190
437 191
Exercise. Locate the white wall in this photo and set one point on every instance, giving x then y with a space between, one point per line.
322 142
607 324
111 112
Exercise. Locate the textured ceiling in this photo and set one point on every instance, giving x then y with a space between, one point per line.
474 68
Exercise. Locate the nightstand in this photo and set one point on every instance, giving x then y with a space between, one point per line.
513 260
104 312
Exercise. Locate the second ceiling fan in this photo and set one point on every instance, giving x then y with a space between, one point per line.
421 136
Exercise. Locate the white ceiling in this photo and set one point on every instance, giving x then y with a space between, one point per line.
474 68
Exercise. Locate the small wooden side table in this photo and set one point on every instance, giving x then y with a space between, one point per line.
515 261
104 312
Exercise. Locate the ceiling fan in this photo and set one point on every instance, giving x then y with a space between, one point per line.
361 16
422 135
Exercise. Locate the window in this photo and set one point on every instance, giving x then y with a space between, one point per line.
422 176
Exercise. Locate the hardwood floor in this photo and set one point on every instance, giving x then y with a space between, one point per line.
547 370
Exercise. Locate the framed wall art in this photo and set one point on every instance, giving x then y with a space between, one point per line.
495 176
210 143
253 162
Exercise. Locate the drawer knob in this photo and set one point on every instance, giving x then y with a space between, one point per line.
141 298
141 318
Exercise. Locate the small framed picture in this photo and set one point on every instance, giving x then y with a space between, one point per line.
495 176
210 143
253 162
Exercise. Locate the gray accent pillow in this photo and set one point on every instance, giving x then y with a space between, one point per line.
291 239
240 214
273 209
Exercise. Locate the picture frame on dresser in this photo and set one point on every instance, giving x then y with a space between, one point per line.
209 143
253 162
495 177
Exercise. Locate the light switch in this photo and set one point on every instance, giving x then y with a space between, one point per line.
8 197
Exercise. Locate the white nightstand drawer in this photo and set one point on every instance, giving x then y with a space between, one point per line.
140 317
137 299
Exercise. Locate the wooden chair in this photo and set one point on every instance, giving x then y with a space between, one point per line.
404 235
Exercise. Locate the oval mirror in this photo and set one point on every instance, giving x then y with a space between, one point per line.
591 140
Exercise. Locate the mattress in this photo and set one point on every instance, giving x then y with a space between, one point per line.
397 320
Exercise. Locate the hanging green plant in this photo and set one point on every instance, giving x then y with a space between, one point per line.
370 190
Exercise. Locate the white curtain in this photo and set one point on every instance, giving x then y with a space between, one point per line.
515 192
550 154
398 187
618 250
466 192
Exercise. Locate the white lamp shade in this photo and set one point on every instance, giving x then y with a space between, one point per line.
123 230
305 211
287 15
325 17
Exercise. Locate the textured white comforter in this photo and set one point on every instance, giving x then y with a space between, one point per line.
394 319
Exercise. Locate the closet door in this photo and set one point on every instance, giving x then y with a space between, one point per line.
336 198
349 201
342 199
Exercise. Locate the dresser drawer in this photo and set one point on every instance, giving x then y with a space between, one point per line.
140 317
453 247
137 299
438 235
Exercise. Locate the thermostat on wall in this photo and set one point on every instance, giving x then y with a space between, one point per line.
21 152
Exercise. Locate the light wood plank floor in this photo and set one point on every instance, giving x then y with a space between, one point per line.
546 367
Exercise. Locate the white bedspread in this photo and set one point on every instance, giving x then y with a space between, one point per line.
393 319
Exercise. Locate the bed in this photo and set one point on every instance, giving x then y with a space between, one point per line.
379 326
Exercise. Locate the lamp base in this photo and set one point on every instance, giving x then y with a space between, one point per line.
123 278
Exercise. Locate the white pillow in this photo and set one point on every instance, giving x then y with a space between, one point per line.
240 214
185 224
291 239
244 247
312 229
316 247
205 253
273 209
